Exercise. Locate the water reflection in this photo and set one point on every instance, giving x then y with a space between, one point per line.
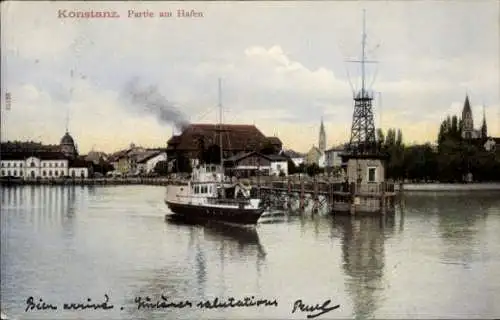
215 257
48 205
363 256
460 217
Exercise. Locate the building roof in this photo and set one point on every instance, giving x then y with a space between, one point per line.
117 155
67 139
23 155
274 141
292 154
235 137
29 146
338 148
314 148
148 155
95 156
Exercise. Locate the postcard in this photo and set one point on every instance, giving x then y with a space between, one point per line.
250 160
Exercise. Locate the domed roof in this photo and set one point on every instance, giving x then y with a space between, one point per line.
67 139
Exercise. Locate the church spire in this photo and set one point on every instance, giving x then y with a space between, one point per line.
322 137
484 128
467 121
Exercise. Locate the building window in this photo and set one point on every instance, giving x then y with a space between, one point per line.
14 164
3 164
21 173
32 164
55 165
372 174
73 173
50 165
3 172
21 165
8 173
32 174
50 173
15 173
62 173
56 173
8 164
44 173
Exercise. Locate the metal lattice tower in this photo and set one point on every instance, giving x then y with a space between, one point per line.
363 127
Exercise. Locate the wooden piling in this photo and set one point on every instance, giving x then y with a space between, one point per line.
302 195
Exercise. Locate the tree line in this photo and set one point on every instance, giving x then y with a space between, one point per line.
452 160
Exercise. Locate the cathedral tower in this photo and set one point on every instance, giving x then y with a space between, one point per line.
467 121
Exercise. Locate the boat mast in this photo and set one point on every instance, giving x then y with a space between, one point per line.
220 132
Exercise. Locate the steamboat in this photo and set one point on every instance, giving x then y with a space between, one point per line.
211 196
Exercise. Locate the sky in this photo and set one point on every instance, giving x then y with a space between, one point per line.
283 67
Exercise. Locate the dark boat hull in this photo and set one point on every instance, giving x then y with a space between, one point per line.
195 213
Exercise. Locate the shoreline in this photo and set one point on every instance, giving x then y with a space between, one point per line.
446 187
89 181
164 181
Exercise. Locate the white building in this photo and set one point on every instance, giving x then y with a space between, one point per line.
332 157
296 157
253 163
147 162
278 165
42 164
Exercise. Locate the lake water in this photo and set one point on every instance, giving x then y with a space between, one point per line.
437 257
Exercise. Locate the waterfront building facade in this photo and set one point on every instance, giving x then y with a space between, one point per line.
45 165
34 160
254 163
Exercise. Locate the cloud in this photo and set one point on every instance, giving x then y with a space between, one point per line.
283 73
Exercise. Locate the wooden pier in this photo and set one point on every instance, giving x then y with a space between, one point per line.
340 198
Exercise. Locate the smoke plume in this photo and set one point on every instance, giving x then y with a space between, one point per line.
150 101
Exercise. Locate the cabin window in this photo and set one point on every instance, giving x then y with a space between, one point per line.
372 174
